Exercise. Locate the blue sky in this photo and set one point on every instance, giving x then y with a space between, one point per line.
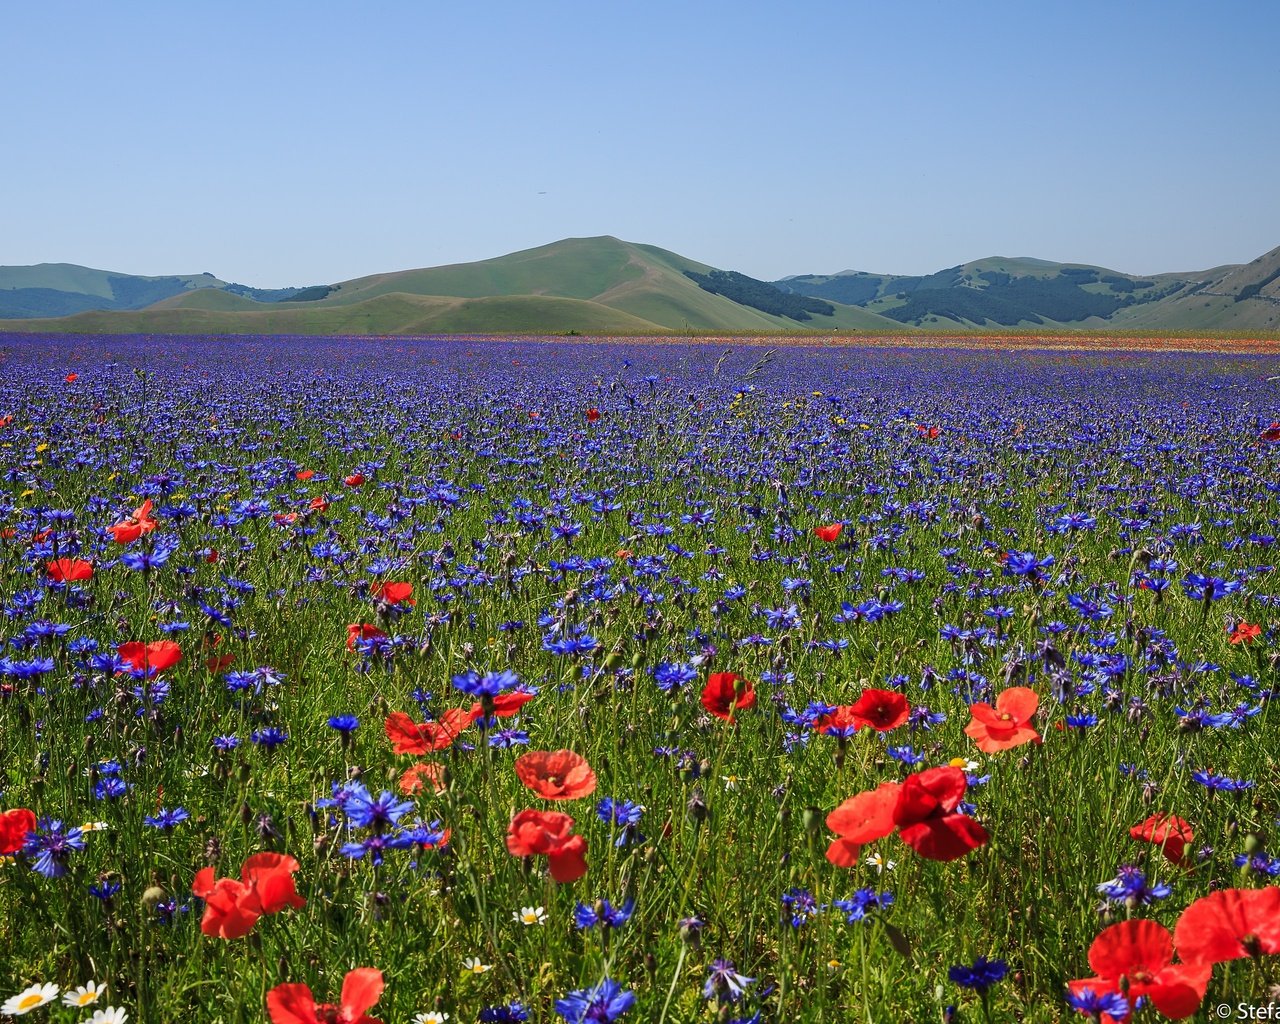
290 144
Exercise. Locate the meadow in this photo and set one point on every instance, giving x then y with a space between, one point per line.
453 680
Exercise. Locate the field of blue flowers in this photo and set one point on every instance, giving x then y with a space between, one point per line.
456 680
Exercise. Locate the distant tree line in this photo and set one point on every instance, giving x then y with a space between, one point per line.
760 295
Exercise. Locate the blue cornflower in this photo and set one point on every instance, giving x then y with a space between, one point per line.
1112 1004
802 904
223 744
104 890
512 1013
491 684
603 913
167 819
1222 782
1130 888
51 845
604 1002
270 738
981 976
863 902
110 788
625 813
345 724
671 677
365 811
725 982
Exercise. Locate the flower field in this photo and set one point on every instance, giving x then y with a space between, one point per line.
476 681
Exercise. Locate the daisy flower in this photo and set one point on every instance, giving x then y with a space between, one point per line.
430 1017
28 999
877 861
472 965
964 764
85 995
529 915
111 1015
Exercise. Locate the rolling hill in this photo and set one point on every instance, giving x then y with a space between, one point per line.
588 285
604 285
1029 293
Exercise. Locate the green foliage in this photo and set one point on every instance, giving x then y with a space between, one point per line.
760 295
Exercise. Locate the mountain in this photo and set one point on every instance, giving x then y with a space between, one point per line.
62 289
604 285
589 285
1029 293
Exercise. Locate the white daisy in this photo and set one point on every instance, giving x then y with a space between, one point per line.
111 1015
85 995
28 999
877 861
431 1017
472 965
529 915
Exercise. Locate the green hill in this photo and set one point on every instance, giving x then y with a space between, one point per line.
588 285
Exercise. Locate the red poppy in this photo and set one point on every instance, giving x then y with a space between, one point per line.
131 527
320 504
361 631
233 907
294 1004
1135 958
285 517
71 378
68 570
724 692
1230 924
556 774
354 480
6 421
842 718
409 737
416 776
1169 832
927 432
1245 633
593 414
922 808
1272 433
534 833
152 658
504 705
219 662
624 554
14 826
1008 724
882 710
305 474
829 534
392 593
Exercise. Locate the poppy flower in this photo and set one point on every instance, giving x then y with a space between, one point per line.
505 705
15 824
392 593
232 907
1008 724
294 1004
69 570
882 710
304 474
219 662
842 721
319 504
1135 958
361 631
285 517
1245 633
593 414
1230 924
133 526
409 737
624 554
828 534
354 480
1271 433
929 433
556 774
535 833
71 378
414 778
152 658
1169 832
721 694
921 808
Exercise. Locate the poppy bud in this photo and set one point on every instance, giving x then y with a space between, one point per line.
1252 844
152 896
697 806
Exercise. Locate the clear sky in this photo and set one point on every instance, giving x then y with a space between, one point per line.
277 143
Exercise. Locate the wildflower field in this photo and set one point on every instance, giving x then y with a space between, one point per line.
453 680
